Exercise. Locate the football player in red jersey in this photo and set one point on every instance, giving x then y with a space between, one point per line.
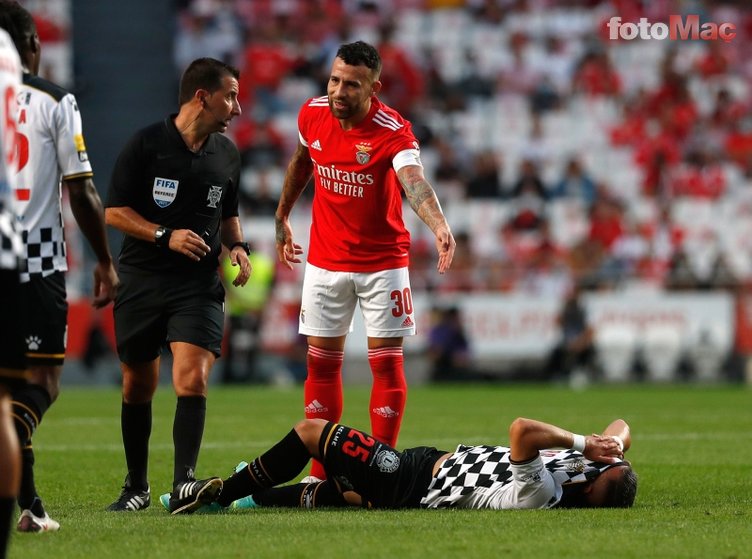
362 155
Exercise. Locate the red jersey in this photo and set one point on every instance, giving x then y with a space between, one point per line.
357 208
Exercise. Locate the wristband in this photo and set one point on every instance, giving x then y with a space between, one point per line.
578 443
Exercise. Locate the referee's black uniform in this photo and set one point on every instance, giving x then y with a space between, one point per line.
164 296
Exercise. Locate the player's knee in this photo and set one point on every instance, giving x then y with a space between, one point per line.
309 431
191 384
47 377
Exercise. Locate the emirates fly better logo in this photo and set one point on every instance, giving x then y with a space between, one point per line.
677 29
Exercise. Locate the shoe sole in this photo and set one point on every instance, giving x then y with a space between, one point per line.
204 496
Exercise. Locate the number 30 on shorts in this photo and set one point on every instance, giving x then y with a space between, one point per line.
403 302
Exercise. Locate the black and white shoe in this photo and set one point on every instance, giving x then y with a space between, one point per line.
131 499
192 495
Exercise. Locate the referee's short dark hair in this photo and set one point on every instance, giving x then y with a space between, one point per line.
204 73
19 24
360 53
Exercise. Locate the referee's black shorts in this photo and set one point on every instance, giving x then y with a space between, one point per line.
382 476
154 309
12 328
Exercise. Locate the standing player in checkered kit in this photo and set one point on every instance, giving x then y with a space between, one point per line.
51 153
362 154
174 193
529 474
12 361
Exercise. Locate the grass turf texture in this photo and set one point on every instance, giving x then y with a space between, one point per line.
692 449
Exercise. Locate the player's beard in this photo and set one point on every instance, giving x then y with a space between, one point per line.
341 113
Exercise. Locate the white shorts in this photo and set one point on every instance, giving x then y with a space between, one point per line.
329 298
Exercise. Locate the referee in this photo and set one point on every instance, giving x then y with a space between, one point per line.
174 193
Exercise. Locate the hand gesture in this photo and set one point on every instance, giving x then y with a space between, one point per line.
287 251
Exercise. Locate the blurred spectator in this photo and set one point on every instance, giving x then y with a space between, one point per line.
403 84
545 272
517 76
485 176
206 29
575 183
259 191
606 221
259 142
575 346
266 61
245 311
528 198
698 178
596 76
536 148
448 348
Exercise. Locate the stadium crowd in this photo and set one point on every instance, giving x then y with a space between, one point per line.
559 155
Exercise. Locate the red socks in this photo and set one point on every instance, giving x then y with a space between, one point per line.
323 391
388 394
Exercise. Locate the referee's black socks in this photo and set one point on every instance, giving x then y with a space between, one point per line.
187 432
135 425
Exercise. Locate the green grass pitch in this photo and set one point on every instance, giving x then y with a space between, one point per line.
692 448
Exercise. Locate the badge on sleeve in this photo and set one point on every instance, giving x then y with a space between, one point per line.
164 191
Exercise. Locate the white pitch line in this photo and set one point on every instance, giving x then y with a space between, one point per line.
449 444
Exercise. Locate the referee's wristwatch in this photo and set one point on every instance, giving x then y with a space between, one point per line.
162 236
244 245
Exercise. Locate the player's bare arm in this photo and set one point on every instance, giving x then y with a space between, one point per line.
299 172
527 437
422 199
87 209
232 233
130 222
619 428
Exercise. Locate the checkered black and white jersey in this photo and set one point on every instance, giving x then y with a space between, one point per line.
10 82
51 147
483 477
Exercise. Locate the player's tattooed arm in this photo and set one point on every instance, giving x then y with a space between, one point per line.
422 199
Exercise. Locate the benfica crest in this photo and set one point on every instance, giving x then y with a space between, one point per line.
363 154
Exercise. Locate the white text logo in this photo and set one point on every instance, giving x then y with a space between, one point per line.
677 29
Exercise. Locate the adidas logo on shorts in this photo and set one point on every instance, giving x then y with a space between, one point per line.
407 323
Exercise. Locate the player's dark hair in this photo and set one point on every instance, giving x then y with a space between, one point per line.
204 73
622 491
18 23
360 53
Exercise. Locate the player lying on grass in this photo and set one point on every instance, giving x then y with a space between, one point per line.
590 472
